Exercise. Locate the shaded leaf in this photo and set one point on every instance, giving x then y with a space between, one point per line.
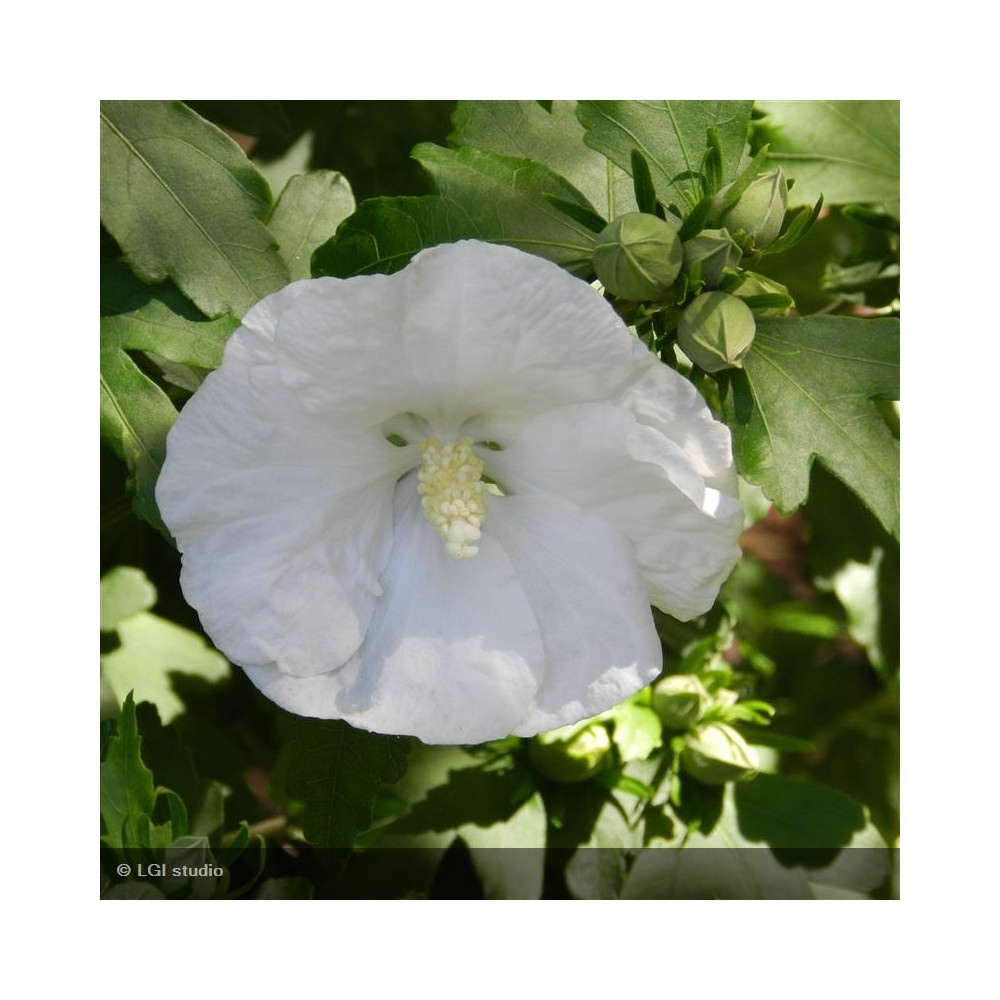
337 771
384 233
672 137
554 138
806 392
152 649
135 413
507 200
183 202
307 214
846 151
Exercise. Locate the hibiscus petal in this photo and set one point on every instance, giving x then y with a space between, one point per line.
581 578
453 653
467 328
284 526
600 457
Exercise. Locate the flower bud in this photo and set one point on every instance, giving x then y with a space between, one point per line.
752 284
760 211
570 754
717 754
680 701
711 251
638 256
716 331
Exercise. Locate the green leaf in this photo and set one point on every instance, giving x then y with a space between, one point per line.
672 136
846 151
384 233
152 649
774 838
509 856
127 792
554 138
637 730
806 392
307 214
337 771
182 201
135 413
125 591
507 201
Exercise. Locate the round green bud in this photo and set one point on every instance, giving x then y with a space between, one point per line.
708 254
761 209
680 701
716 754
570 754
752 284
716 331
638 256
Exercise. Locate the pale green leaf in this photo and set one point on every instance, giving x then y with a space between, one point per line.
125 592
846 151
307 214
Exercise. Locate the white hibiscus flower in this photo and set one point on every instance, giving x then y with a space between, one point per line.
440 502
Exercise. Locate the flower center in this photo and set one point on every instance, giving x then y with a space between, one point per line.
454 500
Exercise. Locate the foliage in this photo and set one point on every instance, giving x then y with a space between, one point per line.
209 791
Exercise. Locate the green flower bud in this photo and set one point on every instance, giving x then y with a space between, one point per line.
638 256
717 754
570 754
760 211
712 251
752 284
680 701
716 331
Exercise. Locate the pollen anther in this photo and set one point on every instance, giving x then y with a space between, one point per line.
453 495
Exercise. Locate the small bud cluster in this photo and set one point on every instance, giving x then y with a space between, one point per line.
454 501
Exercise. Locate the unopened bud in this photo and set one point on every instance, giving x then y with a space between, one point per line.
752 284
638 256
680 701
761 209
707 255
716 754
570 754
716 331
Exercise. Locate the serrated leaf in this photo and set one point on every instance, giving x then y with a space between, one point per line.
384 233
506 199
806 392
127 790
846 151
307 214
337 771
125 591
672 137
637 731
183 202
551 137
135 413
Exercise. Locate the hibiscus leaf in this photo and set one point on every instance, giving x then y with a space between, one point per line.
846 151
136 414
774 838
506 199
125 592
307 214
384 233
127 792
182 201
551 137
672 137
337 771
806 392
